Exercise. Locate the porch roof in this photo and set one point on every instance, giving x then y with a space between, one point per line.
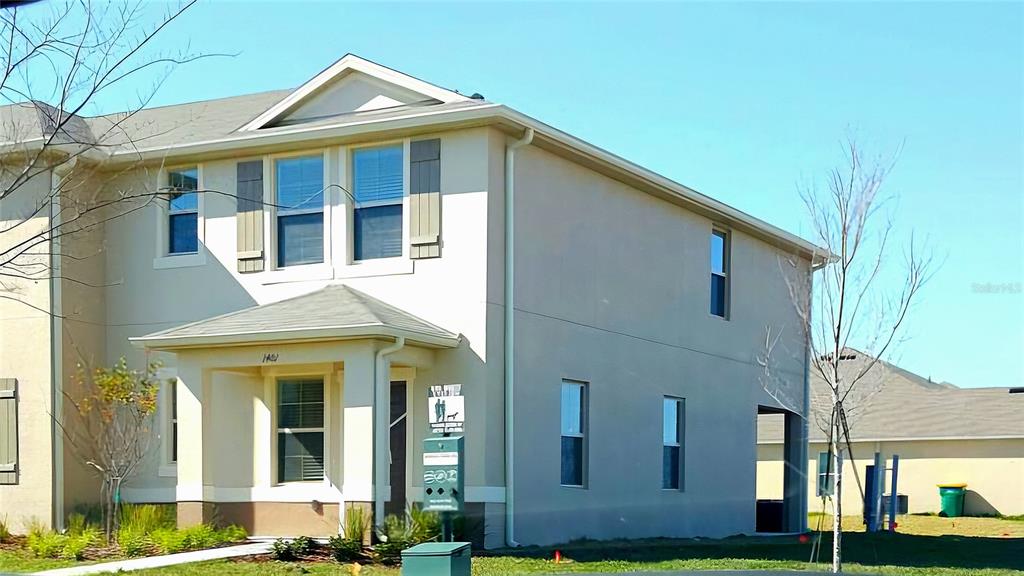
334 312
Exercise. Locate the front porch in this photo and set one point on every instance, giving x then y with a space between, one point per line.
285 414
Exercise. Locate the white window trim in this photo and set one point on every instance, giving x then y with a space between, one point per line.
168 377
270 392
584 426
726 270
348 266
164 259
299 272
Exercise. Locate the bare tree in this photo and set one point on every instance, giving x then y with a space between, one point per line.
109 427
57 64
856 309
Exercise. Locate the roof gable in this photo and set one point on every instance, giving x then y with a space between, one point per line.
351 85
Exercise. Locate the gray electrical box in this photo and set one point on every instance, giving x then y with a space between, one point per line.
443 474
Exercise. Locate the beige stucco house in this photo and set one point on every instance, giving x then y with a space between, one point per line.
942 434
319 257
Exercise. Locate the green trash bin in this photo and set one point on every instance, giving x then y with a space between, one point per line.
952 496
437 559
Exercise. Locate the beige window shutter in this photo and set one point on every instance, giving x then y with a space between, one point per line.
249 219
425 198
8 431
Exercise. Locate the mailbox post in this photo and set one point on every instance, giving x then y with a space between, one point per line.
444 479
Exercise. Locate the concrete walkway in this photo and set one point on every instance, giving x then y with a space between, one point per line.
158 561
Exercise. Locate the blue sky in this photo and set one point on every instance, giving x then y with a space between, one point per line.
742 102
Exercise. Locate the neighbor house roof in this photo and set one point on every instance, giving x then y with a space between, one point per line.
331 313
252 123
891 403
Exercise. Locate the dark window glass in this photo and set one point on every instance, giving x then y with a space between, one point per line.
574 417
300 437
572 461
378 191
174 421
183 234
670 467
719 273
300 211
378 232
718 295
300 456
183 212
826 474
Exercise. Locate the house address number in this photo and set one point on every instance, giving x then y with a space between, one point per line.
270 358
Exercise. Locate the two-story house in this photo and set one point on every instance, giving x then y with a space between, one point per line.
319 257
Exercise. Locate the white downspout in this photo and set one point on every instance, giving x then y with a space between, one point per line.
510 165
382 427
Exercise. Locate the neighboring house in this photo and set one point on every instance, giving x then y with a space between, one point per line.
942 434
348 245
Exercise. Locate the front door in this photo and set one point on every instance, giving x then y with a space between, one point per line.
399 422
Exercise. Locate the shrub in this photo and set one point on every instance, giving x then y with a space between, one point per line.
423 526
168 540
345 549
76 544
5 532
76 524
395 535
146 518
356 524
43 542
132 542
288 551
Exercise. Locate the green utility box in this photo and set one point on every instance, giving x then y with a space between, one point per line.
443 482
952 496
437 559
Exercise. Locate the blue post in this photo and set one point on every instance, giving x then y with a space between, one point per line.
893 501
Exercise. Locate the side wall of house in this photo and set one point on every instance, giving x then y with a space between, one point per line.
992 469
613 289
25 346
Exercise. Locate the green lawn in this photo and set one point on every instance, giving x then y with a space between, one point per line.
24 561
984 547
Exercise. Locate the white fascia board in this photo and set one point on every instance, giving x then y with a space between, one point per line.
159 342
351 63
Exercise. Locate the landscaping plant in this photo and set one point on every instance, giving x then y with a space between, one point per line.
348 546
291 550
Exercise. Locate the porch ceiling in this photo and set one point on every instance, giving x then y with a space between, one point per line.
334 312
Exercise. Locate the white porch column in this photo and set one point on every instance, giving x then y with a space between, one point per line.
193 390
357 424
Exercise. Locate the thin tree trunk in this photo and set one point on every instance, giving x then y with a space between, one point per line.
837 498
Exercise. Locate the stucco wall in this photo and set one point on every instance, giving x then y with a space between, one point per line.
25 355
612 288
450 291
992 469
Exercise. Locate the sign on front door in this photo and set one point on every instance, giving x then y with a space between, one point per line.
446 408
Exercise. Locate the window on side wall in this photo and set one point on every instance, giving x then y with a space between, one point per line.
300 430
672 443
377 181
720 273
183 211
826 474
300 210
574 426
174 422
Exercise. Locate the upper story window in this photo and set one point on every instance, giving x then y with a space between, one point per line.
183 211
720 273
574 425
377 175
300 430
300 210
672 444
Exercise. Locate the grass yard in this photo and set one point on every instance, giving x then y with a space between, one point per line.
925 546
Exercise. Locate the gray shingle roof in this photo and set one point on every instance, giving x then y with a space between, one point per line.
335 311
893 403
